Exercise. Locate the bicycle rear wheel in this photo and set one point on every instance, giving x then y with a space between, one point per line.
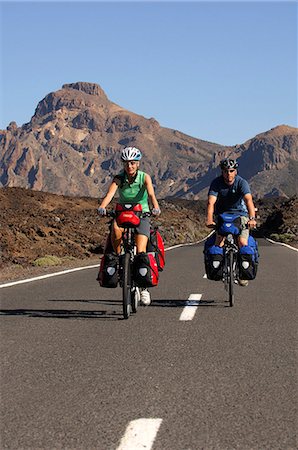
231 278
126 286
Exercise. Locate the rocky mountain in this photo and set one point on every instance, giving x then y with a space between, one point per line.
71 147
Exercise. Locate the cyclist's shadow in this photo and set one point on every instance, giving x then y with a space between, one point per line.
219 303
111 314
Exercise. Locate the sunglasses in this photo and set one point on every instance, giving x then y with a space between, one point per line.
229 170
130 163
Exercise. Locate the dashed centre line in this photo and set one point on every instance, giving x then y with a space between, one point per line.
140 434
191 307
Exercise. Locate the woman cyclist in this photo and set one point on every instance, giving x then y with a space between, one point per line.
134 186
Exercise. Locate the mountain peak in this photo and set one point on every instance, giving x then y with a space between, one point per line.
87 88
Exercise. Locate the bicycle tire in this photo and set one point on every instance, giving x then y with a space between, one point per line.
135 298
126 286
231 278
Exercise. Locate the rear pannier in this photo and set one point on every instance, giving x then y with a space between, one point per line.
248 260
128 215
145 270
156 245
214 263
213 258
108 271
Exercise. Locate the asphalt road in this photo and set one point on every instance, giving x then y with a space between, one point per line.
74 374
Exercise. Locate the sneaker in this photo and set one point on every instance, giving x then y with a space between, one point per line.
243 282
145 297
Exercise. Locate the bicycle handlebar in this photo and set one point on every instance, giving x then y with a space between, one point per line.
113 215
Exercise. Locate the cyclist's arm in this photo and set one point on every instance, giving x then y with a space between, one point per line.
151 193
110 194
251 210
210 210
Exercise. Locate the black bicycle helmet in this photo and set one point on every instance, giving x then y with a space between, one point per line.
228 163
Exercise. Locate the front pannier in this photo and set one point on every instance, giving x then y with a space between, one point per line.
213 258
145 270
128 215
248 260
229 223
156 245
108 271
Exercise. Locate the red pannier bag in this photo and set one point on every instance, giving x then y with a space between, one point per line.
128 215
145 270
156 245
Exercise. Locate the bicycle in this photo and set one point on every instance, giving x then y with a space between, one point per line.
132 214
229 226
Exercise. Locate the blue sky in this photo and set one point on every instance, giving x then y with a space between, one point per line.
218 71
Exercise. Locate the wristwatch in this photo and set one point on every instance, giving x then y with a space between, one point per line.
252 218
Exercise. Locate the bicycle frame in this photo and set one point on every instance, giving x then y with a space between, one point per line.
230 271
230 231
128 251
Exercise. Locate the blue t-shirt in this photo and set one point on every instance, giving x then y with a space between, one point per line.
230 198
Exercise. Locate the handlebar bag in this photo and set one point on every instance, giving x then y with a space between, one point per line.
145 270
156 245
214 262
128 215
229 223
108 271
248 262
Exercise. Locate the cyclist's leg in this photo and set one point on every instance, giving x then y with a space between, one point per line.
243 240
243 236
142 235
219 240
116 237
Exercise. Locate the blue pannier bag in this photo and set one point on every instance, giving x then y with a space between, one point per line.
229 223
254 244
213 258
248 260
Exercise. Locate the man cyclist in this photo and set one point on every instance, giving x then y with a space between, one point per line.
133 186
230 193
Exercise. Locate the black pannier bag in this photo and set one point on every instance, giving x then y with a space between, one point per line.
248 260
213 259
214 263
108 271
156 245
145 270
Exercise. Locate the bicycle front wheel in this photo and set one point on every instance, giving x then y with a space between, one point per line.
126 286
231 278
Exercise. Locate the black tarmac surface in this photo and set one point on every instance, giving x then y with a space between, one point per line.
74 374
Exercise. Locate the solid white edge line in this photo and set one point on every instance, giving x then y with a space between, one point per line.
190 243
191 307
281 243
140 434
49 275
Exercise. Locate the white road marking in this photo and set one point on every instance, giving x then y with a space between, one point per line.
190 243
191 307
281 243
49 275
140 434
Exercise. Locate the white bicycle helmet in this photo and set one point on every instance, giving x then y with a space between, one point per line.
228 163
131 154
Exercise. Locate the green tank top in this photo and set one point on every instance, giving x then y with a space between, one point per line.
134 192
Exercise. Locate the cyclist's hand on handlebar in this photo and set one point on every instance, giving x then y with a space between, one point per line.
156 211
252 224
102 212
